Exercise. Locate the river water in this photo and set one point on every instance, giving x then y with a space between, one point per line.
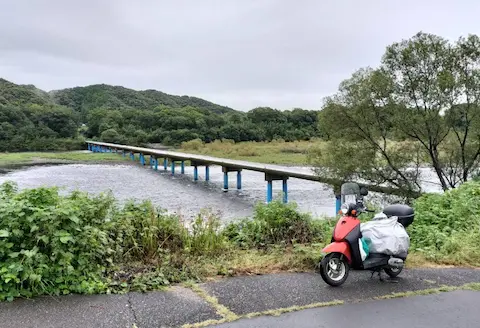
178 193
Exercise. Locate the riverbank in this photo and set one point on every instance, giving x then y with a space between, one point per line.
11 161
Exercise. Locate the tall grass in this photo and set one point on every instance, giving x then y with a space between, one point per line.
274 152
146 232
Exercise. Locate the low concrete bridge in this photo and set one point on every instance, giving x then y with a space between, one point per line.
272 172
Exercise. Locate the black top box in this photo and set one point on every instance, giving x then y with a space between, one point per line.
404 213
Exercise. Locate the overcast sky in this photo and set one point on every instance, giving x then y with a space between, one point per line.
239 53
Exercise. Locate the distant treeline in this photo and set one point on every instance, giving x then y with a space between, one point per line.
31 119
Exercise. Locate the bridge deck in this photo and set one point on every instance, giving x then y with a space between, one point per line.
210 160
270 169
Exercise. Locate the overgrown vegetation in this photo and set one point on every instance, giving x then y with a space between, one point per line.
276 224
54 244
447 226
78 243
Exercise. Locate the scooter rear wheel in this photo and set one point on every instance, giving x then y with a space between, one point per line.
334 269
393 272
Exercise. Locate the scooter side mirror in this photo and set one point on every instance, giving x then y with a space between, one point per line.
363 191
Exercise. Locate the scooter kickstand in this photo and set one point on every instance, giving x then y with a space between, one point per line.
380 276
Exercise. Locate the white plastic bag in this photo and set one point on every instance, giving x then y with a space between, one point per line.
386 236
380 216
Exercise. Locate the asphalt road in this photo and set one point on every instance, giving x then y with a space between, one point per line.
244 295
457 309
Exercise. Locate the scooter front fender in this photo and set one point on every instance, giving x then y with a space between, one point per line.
339 247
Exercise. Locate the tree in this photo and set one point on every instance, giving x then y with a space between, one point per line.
426 92
438 86
110 135
463 116
359 117
420 71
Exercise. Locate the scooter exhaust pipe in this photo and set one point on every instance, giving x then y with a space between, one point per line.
395 262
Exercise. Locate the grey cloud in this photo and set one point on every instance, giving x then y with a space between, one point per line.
240 53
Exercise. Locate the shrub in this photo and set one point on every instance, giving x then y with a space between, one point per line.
246 149
112 136
195 144
52 244
49 144
446 226
439 216
228 141
293 149
224 146
275 223
141 232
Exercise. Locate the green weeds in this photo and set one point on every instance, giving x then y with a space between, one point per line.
276 224
446 229
53 244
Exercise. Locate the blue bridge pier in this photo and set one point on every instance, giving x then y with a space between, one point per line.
272 177
226 170
195 165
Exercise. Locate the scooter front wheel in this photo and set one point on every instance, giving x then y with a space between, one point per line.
334 269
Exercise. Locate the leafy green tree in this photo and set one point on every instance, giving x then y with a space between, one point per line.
362 118
426 91
438 85
111 135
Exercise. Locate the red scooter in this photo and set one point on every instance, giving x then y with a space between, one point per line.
343 253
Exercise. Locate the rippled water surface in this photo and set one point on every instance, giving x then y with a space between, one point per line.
177 193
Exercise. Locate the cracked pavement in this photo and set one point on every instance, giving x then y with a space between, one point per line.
241 295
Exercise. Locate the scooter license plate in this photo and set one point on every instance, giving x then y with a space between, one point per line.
350 199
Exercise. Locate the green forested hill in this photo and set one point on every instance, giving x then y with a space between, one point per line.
84 99
14 94
32 119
